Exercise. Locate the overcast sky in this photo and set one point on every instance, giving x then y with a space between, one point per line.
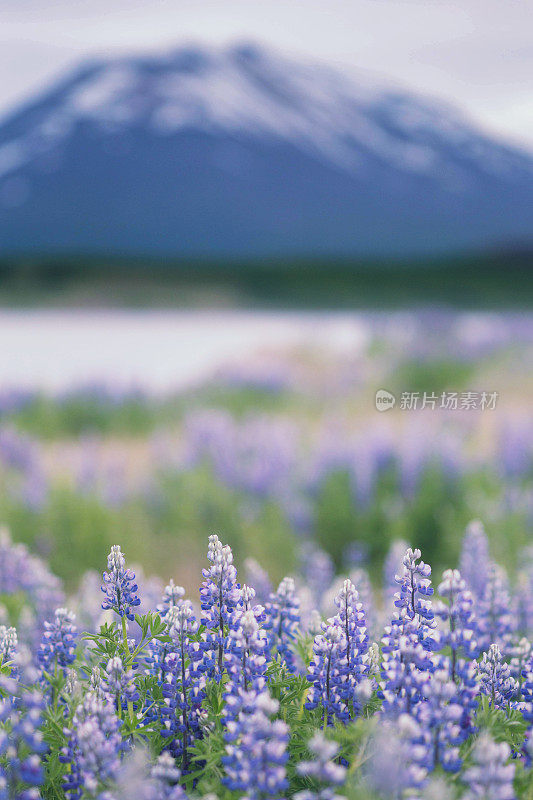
477 53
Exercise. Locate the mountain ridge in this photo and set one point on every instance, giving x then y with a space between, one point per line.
242 152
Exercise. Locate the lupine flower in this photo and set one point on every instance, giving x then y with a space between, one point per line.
166 776
491 777
396 764
23 573
246 662
256 750
21 740
94 746
494 611
157 651
415 613
373 660
495 679
247 603
119 683
439 717
475 560
328 672
135 778
351 619
404 670
323 770
8 644
282 621
119 586
408 639
527 748
457 633
219 596
58 645
525 681
245 657
182 683
172 597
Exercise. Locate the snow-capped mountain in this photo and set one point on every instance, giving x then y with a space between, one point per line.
242 152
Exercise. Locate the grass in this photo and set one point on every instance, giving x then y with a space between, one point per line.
489 280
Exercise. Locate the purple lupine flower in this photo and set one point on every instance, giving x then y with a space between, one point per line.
58 645
415 613
457 614
8 644
328 672
351 619
119 683
256 750
322 769
404 671
119 585
525 681
219 596
247 603
94 747
457 633
440 717
23 573
494 615
495 679
282 621
172 596
527 748
245 661
166 776
491 777
396 763
157 651
475 559
136 779
23 746
182 683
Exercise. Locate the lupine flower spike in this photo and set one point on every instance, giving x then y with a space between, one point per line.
219 596
119 586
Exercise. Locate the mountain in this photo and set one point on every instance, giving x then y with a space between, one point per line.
241 152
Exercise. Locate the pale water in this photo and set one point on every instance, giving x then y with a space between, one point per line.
153 349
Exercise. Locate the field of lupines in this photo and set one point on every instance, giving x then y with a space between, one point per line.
250 692
357 676
282 451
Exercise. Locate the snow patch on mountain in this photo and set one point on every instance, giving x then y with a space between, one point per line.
250 92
